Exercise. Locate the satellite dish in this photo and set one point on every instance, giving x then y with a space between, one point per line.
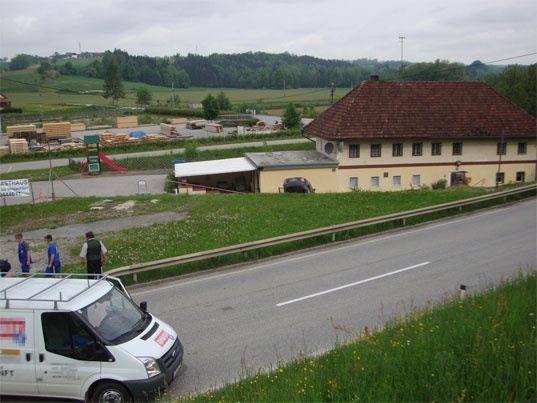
329 148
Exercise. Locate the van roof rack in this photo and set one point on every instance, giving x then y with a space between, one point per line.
39 295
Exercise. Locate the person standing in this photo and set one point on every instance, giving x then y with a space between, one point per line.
94 253
25 257
53 257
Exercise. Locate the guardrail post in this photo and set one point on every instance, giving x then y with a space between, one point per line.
135 277
333 236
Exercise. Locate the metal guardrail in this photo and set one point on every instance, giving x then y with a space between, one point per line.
330 230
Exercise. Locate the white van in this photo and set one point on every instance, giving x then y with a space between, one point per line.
82 338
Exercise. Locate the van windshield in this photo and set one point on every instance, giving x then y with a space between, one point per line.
115 317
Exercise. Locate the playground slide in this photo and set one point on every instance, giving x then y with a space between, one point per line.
110 163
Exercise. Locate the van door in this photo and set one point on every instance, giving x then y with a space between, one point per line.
17 353
69 355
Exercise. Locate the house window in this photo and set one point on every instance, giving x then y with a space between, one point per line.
520 176
416 180
396 181
500 177
501 148
375 182
397 150
375 150
417 149
354 151
353 183
436 149
457 148
522 148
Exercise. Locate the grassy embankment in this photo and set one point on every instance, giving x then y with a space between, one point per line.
480 349
215 221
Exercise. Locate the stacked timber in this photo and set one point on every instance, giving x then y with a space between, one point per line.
155 137
18 146
4 150
168 130
214 127
78 127
57 130
125 121
13 130
178 121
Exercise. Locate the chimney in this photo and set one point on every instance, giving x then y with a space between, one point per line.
374 77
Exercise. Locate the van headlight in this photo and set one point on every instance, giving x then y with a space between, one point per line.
151 366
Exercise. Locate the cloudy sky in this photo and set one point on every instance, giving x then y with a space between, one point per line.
455 30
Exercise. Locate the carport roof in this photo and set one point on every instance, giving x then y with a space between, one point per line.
212 167
281 160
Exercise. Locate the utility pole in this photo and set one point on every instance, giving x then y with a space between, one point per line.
401 39
332 89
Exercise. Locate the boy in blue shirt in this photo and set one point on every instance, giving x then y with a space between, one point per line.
53 256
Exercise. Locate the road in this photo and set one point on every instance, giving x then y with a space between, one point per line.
256 316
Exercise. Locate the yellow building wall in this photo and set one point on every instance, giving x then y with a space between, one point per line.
479 159
323 180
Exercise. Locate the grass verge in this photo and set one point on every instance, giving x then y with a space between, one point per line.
480 348
215 221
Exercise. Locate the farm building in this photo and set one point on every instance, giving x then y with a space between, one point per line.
393 135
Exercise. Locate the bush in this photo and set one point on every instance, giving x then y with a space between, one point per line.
439 184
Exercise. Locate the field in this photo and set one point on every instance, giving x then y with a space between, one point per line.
26 87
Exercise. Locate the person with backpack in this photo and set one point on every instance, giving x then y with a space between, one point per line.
53 257
25 257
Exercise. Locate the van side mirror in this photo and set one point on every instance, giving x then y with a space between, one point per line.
143 306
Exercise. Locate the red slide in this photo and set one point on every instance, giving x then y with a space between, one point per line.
110 163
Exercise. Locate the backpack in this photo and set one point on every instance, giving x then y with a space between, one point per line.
5 266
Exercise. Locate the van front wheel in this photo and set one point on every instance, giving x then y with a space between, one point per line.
110 392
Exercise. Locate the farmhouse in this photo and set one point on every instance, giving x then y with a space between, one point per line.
5 102
392 135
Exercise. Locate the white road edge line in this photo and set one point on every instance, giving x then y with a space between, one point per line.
292 301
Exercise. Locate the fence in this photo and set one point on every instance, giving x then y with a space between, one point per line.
331 230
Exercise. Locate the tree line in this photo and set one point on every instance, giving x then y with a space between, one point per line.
285 71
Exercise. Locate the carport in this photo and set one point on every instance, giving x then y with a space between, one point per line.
226 175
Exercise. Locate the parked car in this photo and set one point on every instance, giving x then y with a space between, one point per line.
297 185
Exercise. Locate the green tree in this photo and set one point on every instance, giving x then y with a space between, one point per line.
144 96
113 84
210 107
291 118
20 62
224 104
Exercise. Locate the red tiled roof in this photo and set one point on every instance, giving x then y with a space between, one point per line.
393 109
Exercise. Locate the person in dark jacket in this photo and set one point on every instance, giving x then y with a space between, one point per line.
93 253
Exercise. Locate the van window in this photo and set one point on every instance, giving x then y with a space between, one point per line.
115 317
66 335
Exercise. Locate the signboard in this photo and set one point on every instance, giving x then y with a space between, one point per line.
15 188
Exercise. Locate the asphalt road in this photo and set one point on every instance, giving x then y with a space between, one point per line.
236 321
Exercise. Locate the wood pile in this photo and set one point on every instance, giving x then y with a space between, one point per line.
178 121
78 127
168 130
71 146
4 150
125 121
108 138
214 127
155 137
57 129
11 130
18 146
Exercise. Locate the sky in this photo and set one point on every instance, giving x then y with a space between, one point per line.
492 31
